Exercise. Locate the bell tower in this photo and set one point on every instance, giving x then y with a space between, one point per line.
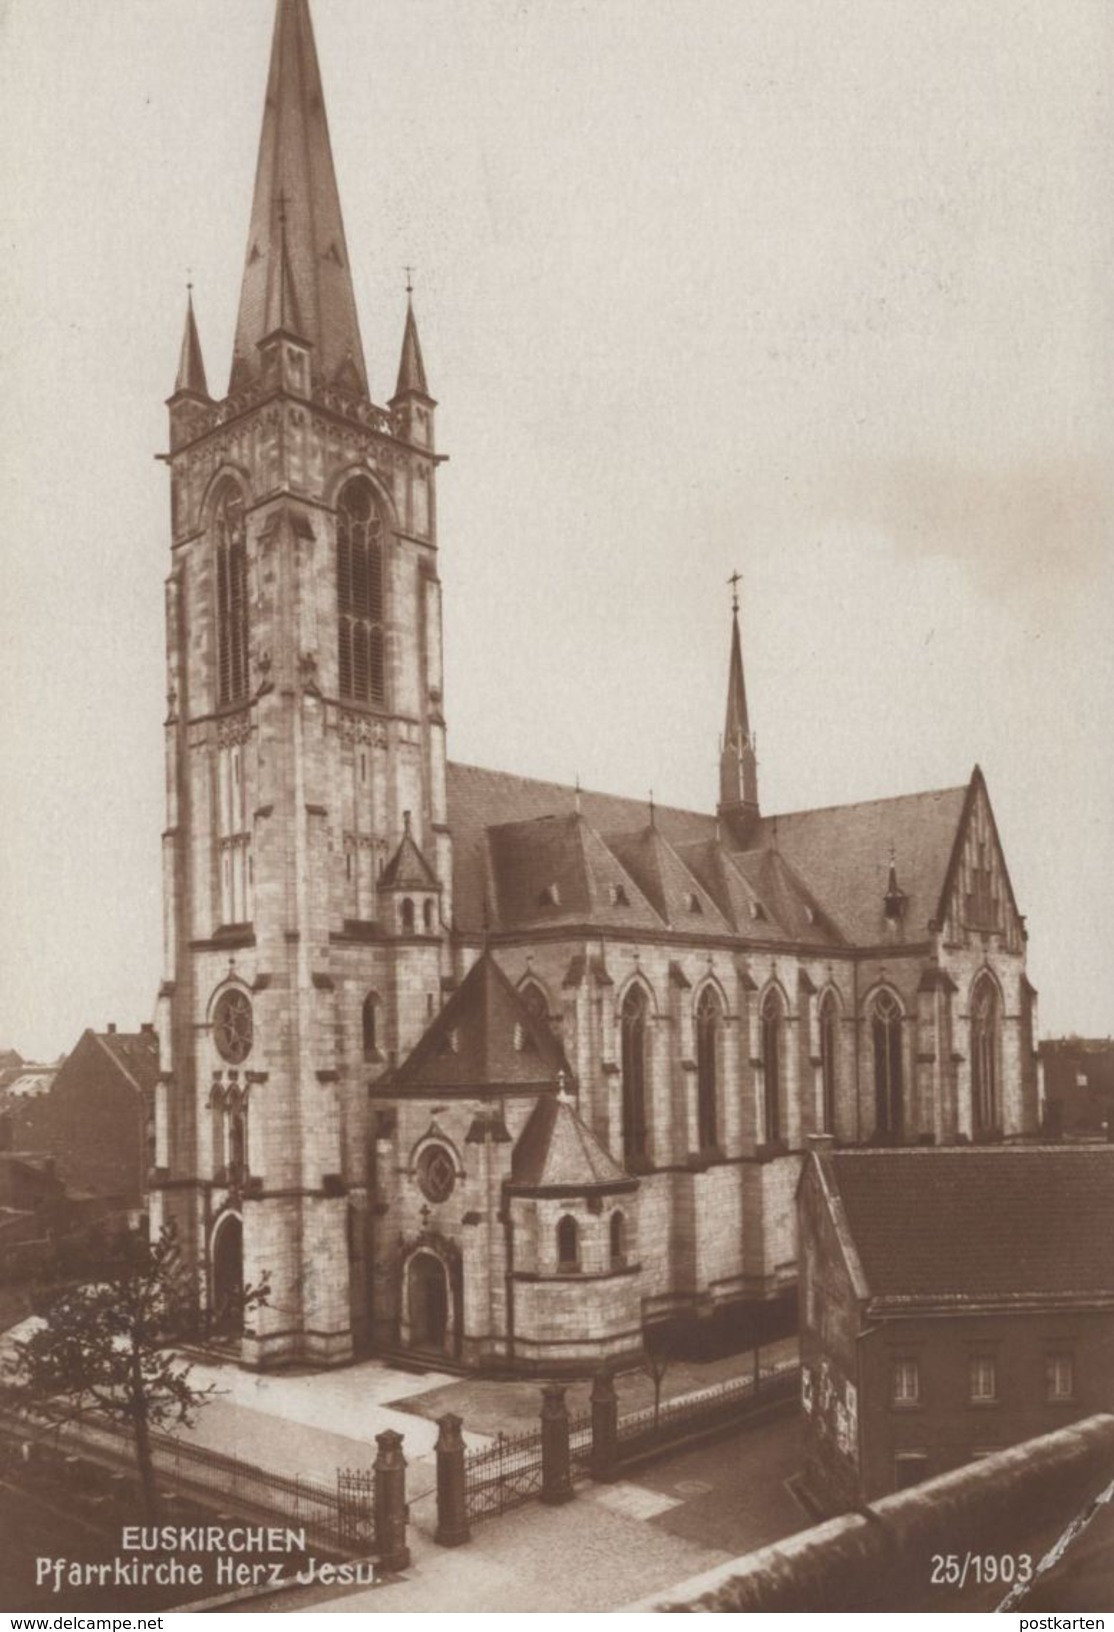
307 864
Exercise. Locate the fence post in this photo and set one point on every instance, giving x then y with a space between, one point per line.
390 1503
605 1428
556 1480
452 1501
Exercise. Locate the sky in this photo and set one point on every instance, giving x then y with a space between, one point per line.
818 290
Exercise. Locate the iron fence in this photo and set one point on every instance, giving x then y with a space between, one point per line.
580 1446
651 1426
336 1516
503 1475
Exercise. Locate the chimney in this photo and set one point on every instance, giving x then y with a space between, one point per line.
148 1028
821 1143
112 1028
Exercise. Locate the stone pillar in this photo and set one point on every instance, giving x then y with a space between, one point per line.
452 1506
390 1504
556 1477
605 1428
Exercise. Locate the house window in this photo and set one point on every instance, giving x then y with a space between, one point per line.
618 1245
906 1382
371 1026
829 1035
408 916
889 1085
568 1245
984 1379
708 1016
427 916
633 1028
1059 1377
771 1065
232 598
360 596
984 1057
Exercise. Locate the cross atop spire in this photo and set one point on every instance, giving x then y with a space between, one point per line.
735 580
297 274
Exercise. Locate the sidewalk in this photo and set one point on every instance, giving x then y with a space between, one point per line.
610 1546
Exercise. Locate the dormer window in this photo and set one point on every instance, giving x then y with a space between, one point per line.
693 902
619 896
758 911
450 1043
550 896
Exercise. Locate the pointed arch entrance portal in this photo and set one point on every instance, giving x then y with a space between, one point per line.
228 1274
432 1298
428 1299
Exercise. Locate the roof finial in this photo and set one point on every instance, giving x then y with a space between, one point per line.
735 580
576 794
409 270
653 811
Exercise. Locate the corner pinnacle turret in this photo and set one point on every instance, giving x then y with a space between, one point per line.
411 368
738 768
191 379
297 267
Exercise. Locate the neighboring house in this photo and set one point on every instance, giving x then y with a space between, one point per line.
92 1115
952 1302
23 1087
1078 1077
718 982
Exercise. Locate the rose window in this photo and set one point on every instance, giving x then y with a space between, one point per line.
436 1173
232 1026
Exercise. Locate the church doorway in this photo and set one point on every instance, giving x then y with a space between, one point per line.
428 1301
228 1274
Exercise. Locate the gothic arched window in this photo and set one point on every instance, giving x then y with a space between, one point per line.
568 1244
232 597
772 1018
408 916
889 1075
984 1057
829 1044
708 1016
633 1027
371 1026
360 595
617 1240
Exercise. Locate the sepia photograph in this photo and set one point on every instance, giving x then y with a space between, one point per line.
557 974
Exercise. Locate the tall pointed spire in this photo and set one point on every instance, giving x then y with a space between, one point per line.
411 369
297 261
738 772
191 364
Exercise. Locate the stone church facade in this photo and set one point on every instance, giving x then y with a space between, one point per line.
485 1069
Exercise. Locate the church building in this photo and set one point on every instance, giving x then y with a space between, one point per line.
481 1069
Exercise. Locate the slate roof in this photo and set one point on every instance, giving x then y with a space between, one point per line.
843 854
818 877
136 1052
408 869
296 244
556 1150
483 1039
981 1224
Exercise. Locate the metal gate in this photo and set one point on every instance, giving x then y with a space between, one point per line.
356 1511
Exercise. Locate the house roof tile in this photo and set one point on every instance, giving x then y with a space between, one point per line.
981 1223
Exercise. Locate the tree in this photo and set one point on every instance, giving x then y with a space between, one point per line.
106 1347
655 1364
